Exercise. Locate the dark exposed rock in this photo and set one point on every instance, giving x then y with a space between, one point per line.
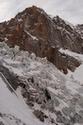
12 78
52 120
70 38
47 94
1 123
31 80
77 118
1 114
35 31
30 103
40 115
79 29
61 119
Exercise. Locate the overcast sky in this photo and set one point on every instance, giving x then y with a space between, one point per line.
70 10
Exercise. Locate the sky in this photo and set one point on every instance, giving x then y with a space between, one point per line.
70 10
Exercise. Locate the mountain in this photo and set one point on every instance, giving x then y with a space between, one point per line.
34 91
37 32
41 65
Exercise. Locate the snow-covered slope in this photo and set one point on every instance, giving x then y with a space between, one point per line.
12 108
77 75
59 97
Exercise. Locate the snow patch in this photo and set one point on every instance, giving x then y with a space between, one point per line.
33 37
78 74
72 54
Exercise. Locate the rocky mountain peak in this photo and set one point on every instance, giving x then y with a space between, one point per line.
37 32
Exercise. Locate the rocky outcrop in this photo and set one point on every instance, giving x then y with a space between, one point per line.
35 31
11 77
40 115
79 29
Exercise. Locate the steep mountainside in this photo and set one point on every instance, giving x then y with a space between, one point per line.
34 92
35 52
79 28
35 31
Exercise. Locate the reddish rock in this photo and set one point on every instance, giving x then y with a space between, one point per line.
35 31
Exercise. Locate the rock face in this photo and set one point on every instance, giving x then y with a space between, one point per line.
40 115
35 31
12 79
79 29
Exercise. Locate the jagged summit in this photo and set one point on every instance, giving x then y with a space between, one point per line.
33 9
37 32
